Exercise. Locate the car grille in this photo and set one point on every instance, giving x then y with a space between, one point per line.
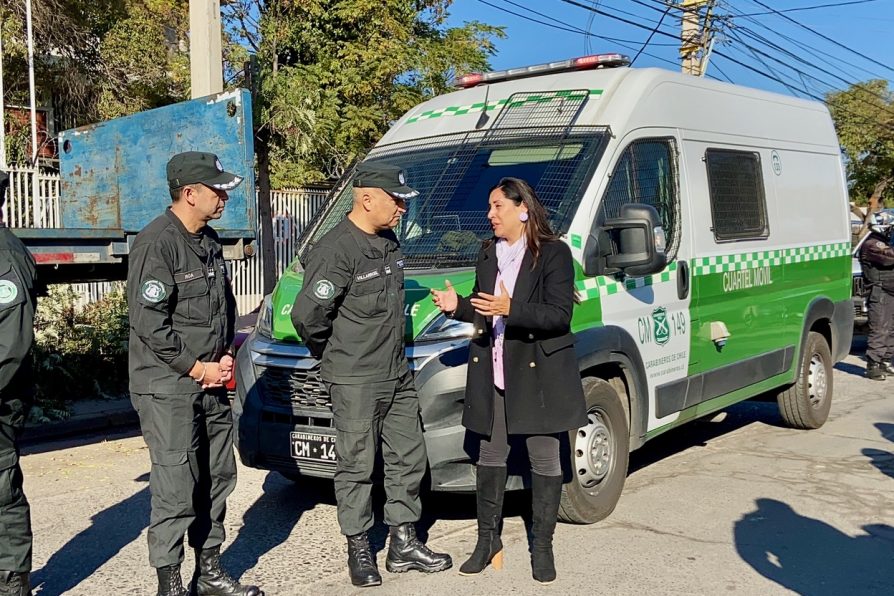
286 386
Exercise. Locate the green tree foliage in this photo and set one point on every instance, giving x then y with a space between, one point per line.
864 121
335 73
97 60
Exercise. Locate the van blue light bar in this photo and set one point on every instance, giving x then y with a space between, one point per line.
582 63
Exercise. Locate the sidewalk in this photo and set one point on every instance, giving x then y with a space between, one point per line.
86 417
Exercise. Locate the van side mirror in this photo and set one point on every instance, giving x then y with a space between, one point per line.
632 244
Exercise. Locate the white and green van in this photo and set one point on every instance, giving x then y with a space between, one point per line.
709 224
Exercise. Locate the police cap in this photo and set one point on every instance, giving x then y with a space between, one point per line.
388 177
196 167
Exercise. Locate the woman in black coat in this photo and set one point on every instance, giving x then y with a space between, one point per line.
523 377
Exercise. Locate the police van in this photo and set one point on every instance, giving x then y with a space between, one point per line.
709 225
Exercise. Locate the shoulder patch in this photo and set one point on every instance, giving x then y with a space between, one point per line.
324 289
153 290
8 291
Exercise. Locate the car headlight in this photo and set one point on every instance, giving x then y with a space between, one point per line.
444 327
264 326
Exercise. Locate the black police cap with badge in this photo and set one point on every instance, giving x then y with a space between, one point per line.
197 167
388 177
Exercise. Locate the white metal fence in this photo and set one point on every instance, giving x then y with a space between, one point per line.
33 201
292 211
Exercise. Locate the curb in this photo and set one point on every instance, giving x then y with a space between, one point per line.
79 426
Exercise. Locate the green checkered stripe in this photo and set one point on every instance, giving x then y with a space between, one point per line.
594 287
493 105
769 258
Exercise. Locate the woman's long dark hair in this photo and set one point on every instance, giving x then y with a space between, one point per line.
537 230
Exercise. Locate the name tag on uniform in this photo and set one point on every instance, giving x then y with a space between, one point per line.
188 276
367 276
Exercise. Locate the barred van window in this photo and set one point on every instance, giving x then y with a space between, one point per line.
736 187
646 173
445 225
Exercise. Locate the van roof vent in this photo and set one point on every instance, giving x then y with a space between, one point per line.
582 63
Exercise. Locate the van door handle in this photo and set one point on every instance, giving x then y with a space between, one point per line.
683 280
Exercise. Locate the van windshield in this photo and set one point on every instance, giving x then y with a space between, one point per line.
445 225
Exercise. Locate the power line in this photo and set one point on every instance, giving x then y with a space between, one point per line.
651 35
572 29
826 37
836 4
814 51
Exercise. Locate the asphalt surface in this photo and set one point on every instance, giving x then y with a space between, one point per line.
735 504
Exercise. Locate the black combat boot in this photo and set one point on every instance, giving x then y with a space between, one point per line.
875 370
169 582
888 366
211 580
546 492
361 562
490 485
406 552
15 583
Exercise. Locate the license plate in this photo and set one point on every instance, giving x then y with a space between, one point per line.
313 447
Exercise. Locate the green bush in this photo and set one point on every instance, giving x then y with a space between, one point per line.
79 352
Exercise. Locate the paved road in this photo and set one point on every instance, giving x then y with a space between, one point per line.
737 504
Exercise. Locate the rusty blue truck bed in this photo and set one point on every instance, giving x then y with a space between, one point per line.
114 183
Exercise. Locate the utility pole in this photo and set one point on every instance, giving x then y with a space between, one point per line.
205 55
696 36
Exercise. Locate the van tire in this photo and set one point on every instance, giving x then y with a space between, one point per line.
807 402
593 491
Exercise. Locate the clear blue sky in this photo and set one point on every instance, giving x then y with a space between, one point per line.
863 27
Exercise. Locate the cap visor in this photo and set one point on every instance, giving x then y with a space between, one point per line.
224 181
402 192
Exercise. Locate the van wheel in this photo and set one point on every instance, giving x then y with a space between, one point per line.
598 458
807 402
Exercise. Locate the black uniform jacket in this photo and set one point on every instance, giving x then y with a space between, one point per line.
350 311
542 380
17 303
877 262
181 305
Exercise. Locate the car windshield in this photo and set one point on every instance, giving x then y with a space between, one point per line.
445 225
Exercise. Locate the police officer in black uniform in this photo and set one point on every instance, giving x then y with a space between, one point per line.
350 314
182 312
17 304
877 261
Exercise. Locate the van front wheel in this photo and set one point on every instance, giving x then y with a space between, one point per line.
598 458
807 402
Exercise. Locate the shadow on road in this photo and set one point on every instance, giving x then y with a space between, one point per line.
851 369
112 529
881 459
700 432
809 556
270 519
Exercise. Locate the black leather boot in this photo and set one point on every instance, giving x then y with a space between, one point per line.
490 484
361 562
211 580
875 370
169 582
546 491
406 552
15 583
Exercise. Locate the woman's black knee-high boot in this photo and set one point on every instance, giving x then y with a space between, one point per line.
490 486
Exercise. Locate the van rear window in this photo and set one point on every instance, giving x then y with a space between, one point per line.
736 187
445 225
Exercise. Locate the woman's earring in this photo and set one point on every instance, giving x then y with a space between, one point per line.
523 216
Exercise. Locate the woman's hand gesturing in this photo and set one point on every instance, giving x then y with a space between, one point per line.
445 299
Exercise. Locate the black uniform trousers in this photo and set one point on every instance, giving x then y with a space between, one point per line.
383 413
190 440
880 340
15 514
